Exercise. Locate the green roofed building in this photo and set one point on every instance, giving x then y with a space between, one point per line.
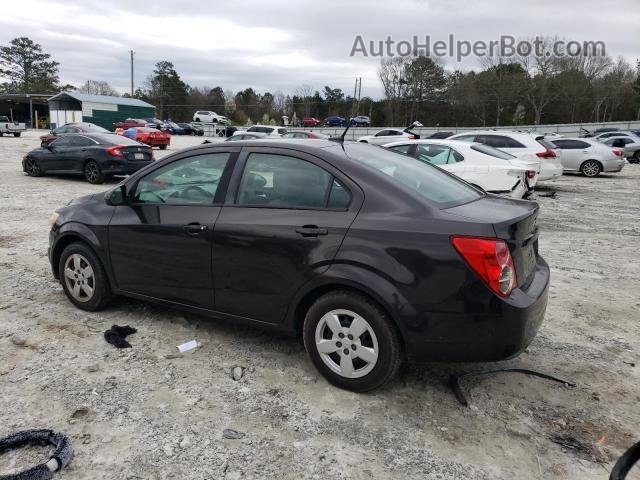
103 110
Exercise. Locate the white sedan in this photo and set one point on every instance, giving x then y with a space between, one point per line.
389 135
486 167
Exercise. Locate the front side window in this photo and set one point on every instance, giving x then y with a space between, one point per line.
283 181
63 142
192 180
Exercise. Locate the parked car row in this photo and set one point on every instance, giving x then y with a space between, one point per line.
162 125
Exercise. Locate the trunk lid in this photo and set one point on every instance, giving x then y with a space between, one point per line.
514 221
134 153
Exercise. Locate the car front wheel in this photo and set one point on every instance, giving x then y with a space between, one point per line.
352 341
83 278
590 168
33 167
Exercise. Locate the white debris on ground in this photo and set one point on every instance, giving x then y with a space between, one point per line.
250 405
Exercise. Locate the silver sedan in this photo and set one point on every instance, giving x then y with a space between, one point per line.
630 144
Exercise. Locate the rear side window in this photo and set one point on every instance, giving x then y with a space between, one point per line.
339 197
401 149
283 181
570 144
467 138
430 182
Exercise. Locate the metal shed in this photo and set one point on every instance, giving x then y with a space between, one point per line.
102 110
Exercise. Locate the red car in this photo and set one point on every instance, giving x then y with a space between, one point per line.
310 122
129 123
147 135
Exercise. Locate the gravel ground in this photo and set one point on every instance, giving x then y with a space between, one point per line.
142 413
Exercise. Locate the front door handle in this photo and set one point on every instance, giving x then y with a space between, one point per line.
195 229
311 231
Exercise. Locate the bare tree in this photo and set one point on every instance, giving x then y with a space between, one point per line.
305 92
98 87
392 75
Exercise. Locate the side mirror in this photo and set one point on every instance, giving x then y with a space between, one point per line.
116 196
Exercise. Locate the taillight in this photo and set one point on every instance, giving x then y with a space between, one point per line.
531 174
411 137
548 153
115 151
490 259
618 152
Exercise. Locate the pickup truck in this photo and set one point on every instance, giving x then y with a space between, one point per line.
9 127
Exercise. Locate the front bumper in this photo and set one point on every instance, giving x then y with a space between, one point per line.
503 331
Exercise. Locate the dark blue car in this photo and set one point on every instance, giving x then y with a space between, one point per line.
173 128
335 121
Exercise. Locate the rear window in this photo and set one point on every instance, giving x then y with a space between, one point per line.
546 143
493 152
434 184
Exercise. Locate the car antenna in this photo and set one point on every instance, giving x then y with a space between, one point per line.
340 139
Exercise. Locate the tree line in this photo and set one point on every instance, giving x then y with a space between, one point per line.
503 92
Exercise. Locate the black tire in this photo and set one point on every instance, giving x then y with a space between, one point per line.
389 357
101 290
162 147
33 167
197 119
17 134
591 168
636 157
93 173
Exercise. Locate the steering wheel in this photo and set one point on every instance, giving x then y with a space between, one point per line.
199 191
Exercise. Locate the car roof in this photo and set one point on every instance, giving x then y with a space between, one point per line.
499 132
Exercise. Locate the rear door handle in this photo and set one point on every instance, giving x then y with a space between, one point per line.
311 231
195 229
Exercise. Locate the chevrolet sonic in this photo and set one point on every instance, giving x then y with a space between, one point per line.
369 255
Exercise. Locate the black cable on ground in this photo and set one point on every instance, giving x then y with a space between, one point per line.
59 459
454 380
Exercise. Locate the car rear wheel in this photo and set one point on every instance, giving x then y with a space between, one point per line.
17 134
83 278
591 168
92 172
163 147
636 157
352 341
33 167
197 119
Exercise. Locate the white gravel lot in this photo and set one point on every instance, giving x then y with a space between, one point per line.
136 414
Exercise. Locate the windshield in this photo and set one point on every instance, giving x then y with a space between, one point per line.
494 152
429 181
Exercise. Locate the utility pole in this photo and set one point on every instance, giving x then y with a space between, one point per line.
131 52
359 92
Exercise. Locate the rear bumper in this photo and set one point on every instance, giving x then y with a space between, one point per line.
123 167
613 165
550 169
503 330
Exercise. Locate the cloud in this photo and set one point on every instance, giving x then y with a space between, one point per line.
279 45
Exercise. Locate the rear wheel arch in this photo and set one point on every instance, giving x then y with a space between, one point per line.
309 298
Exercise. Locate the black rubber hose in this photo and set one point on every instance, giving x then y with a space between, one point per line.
60 457
625 463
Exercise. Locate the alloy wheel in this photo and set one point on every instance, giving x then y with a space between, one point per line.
91 172
591 169
33 168
79 277
346 343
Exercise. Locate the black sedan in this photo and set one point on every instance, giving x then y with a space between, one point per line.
367 254
96 156
191 129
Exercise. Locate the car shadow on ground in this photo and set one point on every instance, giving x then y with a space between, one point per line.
413 375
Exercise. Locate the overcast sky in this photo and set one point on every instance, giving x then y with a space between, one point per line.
278 45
